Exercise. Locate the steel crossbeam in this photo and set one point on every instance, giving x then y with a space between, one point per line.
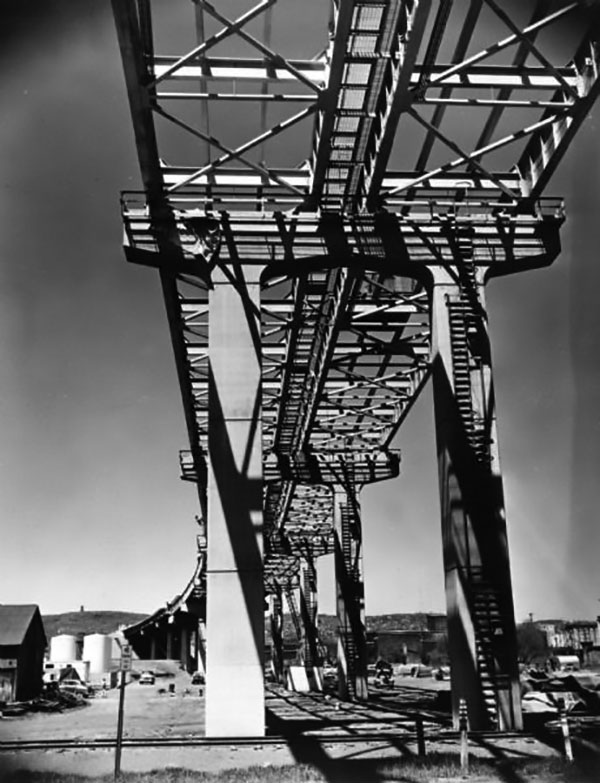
413 116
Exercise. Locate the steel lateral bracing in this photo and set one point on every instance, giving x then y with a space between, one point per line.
332 188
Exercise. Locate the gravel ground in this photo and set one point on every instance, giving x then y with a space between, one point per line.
149 713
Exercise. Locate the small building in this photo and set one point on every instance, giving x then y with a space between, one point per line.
408 646
550 629
22 645
565 663
576 636
582 634
437 622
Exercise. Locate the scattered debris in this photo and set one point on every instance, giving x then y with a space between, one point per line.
53 699
575 693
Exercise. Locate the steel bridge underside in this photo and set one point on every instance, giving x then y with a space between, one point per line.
309 303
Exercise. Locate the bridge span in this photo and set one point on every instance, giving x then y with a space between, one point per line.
327 189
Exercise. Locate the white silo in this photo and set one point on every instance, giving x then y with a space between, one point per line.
63 647
97 650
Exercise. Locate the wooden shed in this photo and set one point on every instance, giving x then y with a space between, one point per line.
22 646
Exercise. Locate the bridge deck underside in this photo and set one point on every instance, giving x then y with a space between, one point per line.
354 157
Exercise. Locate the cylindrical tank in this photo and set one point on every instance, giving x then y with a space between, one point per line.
63 647
97 650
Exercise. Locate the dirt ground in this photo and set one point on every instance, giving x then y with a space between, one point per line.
149 713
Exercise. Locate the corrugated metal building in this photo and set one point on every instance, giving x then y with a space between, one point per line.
22 645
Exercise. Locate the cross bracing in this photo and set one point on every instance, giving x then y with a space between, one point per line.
378 72
342 374
402 140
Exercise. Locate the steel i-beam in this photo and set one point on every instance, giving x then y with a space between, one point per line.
308 612
481 626
345 473
352 640
276 625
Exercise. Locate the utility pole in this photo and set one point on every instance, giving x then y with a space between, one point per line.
124 667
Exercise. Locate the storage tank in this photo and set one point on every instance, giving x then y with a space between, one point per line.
97 650
63 647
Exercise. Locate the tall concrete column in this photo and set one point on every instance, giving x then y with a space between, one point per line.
276 622
169 637
201 646
481 626
184 648
235 611
352 641
308 611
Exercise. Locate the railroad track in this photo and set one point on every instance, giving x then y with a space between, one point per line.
191 742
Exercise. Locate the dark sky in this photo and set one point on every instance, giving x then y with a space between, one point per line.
91 505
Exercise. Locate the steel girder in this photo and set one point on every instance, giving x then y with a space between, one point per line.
353 358
420 122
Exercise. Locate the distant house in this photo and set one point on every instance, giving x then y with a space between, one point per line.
576 636
582 634
22 645
413 645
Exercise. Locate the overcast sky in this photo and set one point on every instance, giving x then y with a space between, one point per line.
92 509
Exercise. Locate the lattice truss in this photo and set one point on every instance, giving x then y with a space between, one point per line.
366 133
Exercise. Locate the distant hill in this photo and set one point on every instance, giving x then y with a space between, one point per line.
415 621
106 622
88 622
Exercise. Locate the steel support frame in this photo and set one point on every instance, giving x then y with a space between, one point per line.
309 605
546 148
474 529
276 628
481 626
247 69
350 593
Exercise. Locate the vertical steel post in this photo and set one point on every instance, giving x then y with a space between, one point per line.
276 621
564 726
184 648
124 667
119 742
463 727
481 625
352 640
420 731
308 611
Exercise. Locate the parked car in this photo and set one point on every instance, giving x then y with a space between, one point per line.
421 670
380 673
198 678
74 686
330 673
146 678
384 673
